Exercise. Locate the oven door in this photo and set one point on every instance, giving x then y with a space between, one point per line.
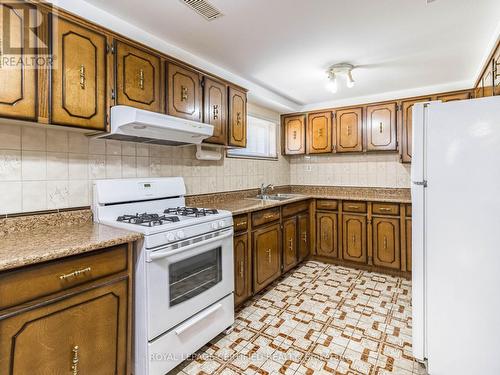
185 278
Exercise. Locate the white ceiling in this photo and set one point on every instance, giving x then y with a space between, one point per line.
287 45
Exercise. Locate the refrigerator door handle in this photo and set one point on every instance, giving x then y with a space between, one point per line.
420 183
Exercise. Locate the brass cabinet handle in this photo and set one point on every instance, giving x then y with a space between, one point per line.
320 132
290 245
241 269
269 255
354 239
304 236
184 93
325 236
294 134
381 127
348 130
216 111
141 79
82 77
75 360
385 243
238 118
75 273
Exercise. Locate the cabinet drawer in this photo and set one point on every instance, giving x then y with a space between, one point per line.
327 204
240 223
29 283
294 208
385 208
354 206
408 210
265 216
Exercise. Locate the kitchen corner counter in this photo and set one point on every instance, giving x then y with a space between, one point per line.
22 244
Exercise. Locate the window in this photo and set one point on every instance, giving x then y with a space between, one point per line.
261 140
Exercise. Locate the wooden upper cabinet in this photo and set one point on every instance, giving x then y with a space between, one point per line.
242 269
319 131
183 92
237 117
454 97
78 76
488 80
138 78
82 334
354 247
215 109
496 72
386 243
349 125
304 236
407 128
289 243
327 234
18 84
381 127
294 134
267 256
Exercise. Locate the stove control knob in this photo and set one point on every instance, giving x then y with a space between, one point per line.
180 235
170 237
221 224
214 226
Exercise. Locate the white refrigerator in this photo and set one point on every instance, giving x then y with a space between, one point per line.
455 191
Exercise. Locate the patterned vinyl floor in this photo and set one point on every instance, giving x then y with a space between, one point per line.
317 319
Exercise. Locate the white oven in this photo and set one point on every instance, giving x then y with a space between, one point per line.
187 277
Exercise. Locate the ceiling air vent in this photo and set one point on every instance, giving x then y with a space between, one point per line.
204 8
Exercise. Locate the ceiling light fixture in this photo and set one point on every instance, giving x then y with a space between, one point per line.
337 70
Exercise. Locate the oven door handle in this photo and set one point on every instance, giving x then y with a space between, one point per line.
205 314
166 253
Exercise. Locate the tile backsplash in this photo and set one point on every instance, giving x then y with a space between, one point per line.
43 168
365 170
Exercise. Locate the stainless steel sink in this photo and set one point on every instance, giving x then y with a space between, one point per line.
275 197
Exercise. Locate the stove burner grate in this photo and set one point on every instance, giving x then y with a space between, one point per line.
191 211
147 220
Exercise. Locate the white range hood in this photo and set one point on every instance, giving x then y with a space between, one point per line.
137 125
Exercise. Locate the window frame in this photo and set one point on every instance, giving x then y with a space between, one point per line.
268 158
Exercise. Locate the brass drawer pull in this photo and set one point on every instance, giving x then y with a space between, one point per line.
82 77
184 93
270 216
353 207
241 224
75 273
75 360
385 209
141 79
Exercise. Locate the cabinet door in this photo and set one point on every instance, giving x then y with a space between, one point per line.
327 235
237 118
82 334
289 243
408 244
453 97
407 124
386 243
304 241
488 80
294 131
349 124
319 130
138 78
214 109
381 127
242 269
79 76
17 83
267 259
183 93
496 72
354 238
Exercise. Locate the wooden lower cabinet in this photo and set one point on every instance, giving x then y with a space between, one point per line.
354 247
85 333
386 242
327 234
242 269
266 247
290 258
304 236
408 244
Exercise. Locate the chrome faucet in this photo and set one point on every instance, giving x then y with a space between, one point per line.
264 189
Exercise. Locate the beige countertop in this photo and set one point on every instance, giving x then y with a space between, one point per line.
20 248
